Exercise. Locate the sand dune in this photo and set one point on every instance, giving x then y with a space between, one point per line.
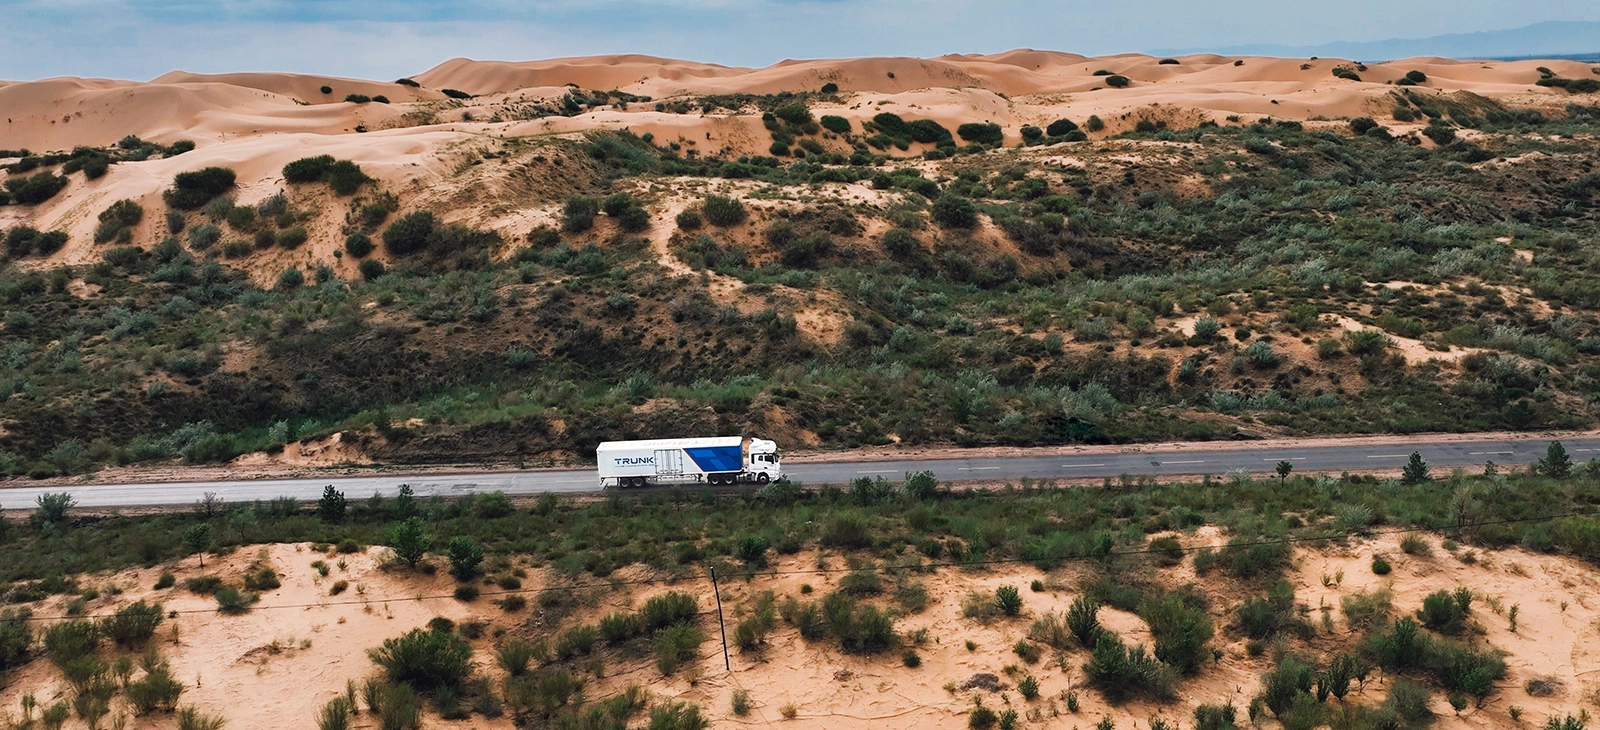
256 122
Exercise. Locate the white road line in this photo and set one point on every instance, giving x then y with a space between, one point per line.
1583 449
881 471
1164 463
1389 456
1286 458
1069 466
978 468
1488 453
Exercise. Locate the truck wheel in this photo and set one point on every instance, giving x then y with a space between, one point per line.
762 478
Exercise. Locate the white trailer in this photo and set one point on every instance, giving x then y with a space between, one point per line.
721 460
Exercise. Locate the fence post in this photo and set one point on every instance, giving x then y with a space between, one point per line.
726 663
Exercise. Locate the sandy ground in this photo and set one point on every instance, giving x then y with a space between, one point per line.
274 667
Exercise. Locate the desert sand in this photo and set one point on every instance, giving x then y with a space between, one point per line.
257 122
274 667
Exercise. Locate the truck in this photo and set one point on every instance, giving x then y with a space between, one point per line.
718 461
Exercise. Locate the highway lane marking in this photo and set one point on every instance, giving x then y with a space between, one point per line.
1180 462
1286 458
1069 466
978 468
1583 449
881 471
1389 456
1488 453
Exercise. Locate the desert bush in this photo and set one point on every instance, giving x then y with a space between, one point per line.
132 625
36 189
358 244
336 714
157 690
578 213
425 660
672 608
117 218
292 237
837 125
677 716
751 633
576 641
675 645
465 557
370 269
232 601
1008 600
192 190
1027 651
308 169
981 133
1446 612
954 211
1120 672
1414 544
1084 622
1180 629
514 655
1117 81
191 718
411 233
69 641
1215 717
723 211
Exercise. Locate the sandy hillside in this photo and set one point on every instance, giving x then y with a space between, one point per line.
275 666
254 123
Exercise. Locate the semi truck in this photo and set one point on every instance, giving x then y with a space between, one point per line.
720 460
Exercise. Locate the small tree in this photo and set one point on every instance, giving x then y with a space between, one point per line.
197 537
1556 462
331 507
410 541
1285 467
465 555
53 508
1416 471
405 503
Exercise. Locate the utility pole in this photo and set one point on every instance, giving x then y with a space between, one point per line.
726 663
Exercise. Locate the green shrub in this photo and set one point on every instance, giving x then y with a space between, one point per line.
578 213
412 233
723 211
675 645
1008 600
1117 81
576 641
465 557
132 625
156 690
1094 124
345 177
911 659
1084 622
1215 717
1061 128
36 189
118 218
1446 612
1379 565
370 269
1121 673
981 133
192 190
1027 651
69 641
954 211
308 169
425 660
358 244
672 608
292 237
1181 630
677 716
981 718
231 601
837 125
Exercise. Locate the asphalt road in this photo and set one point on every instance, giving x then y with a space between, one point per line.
1353 456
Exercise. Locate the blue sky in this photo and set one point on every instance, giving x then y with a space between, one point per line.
384 39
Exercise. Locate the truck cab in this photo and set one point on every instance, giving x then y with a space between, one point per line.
761 461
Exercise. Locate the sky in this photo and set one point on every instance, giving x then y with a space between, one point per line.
386 39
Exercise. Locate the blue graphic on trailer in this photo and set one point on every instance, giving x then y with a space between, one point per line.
717 458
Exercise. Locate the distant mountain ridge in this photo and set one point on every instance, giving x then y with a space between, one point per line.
1578 40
